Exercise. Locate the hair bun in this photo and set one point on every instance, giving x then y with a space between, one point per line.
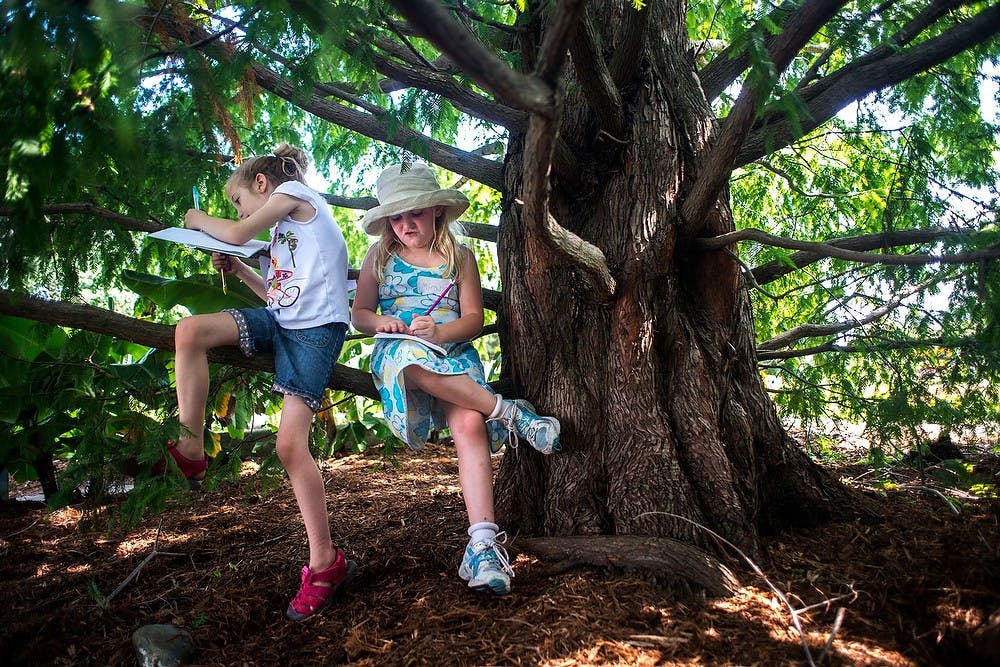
286 151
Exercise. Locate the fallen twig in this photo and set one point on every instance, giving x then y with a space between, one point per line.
943 497
135 572
781 596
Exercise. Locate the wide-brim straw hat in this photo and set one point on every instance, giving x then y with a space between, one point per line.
403 188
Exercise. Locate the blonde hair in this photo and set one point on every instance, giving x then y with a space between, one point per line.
286 163
444 244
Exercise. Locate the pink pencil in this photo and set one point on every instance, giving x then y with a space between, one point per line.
440 296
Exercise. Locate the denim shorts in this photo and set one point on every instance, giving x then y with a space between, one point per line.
303 358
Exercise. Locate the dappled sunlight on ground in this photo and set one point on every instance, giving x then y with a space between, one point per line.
910 590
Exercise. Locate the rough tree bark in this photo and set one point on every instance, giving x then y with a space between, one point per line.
666 423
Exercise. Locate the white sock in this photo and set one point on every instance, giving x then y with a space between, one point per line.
497 409
482 531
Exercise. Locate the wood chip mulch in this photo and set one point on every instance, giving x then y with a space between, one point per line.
917 588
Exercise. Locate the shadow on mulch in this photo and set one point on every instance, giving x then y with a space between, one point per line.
912 590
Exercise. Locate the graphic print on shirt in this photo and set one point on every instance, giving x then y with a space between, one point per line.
277 293
288 238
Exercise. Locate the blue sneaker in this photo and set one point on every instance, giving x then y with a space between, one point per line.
486 566
519 417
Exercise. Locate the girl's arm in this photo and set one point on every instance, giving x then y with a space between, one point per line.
364 313
470 301
239 232
243 271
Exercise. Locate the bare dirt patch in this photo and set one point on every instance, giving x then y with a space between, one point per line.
915 588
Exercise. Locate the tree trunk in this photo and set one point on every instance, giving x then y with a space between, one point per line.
666 427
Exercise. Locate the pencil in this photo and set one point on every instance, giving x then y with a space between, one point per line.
197 204
440 296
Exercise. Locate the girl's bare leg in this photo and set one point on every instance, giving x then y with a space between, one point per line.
193 337
460 390
475 472
307 483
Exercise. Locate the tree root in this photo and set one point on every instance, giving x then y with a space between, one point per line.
668 561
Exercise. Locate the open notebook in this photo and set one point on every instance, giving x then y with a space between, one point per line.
426 343
199 239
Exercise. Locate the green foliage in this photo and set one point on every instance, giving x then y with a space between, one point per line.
198 294
102 109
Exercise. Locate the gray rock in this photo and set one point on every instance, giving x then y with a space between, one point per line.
162 645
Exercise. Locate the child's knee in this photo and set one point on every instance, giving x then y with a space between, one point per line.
466 424
289 451
186 334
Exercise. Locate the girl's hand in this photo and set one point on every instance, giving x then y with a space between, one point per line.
223 263
425 327
392 325
194 217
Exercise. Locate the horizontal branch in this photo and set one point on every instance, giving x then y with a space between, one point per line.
834 346
796 334
830 250
771 271
126 222
160 336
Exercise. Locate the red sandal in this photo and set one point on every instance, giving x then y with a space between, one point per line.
319 588
188 467
194 471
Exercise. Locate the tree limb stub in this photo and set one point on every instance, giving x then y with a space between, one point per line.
668 560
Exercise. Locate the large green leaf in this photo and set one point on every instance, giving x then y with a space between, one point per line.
26 339
198 293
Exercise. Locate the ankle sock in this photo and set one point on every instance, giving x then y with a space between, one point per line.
484 530
497 409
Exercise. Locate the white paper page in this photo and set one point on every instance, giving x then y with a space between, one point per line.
199 239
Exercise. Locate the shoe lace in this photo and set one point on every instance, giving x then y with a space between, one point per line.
495 551
506 419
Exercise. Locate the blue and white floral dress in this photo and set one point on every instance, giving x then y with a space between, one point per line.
411 413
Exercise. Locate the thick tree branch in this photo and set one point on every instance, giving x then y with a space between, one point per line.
719 163
481 64
830 250
630 45
540 142
733 60
442 84
880 69
592 71
161 336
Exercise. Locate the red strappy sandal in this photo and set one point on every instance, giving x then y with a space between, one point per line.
194 471
319 588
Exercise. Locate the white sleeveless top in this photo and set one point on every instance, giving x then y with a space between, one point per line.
306 279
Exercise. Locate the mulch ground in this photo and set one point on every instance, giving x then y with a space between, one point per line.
912 589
